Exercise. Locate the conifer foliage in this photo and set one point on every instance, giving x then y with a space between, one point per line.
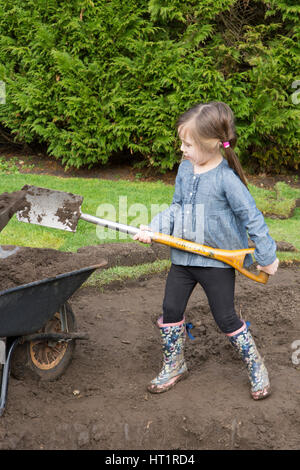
91 78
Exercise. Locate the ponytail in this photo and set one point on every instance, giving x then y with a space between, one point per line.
235 164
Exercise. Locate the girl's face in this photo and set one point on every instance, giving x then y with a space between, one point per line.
189 149
196 153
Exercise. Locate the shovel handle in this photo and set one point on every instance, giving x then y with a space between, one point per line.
234 258
109 224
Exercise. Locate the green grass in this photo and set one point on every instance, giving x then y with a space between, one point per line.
126 197
279 202
287 230
101 278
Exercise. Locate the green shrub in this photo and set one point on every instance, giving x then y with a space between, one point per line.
92 78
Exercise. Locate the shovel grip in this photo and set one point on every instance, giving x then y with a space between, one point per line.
262 277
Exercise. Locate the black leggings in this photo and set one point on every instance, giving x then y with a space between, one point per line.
218 285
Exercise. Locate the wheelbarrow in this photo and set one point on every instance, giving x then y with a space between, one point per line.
38 318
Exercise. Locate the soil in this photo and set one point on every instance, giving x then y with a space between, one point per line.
101 401
9 204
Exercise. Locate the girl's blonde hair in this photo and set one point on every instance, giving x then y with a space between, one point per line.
209 125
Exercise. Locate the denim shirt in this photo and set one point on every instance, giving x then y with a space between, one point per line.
215 209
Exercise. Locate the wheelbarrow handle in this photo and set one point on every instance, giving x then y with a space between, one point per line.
234 258
5 375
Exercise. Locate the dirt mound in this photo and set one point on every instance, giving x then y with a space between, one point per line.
101 401
32 264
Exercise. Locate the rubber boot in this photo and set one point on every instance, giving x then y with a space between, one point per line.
244 344
174 367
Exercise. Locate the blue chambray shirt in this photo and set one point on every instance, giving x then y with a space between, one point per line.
215 209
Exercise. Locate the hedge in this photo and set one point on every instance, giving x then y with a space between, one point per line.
92 78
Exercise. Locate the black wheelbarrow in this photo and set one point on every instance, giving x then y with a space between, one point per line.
37 325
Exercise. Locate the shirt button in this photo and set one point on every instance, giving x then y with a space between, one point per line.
191 194
187 212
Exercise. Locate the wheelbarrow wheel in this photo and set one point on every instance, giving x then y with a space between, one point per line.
47 359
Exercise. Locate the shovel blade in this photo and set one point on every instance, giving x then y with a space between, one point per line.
50 208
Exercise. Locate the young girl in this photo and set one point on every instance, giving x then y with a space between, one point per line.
212 206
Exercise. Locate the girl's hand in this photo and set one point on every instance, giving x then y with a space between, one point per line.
271 268
143 234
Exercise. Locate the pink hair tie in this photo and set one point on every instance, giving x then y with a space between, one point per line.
226 144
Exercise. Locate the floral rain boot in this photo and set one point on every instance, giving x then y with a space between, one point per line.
174 367
243 342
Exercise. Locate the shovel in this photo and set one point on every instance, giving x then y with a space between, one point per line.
62 210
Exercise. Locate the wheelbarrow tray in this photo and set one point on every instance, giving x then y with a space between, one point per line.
27 308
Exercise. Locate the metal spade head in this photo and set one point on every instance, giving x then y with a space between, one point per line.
50 208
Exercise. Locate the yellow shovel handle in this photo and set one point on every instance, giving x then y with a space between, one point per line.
234 258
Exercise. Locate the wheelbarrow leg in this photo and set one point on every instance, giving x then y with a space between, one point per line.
5 375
